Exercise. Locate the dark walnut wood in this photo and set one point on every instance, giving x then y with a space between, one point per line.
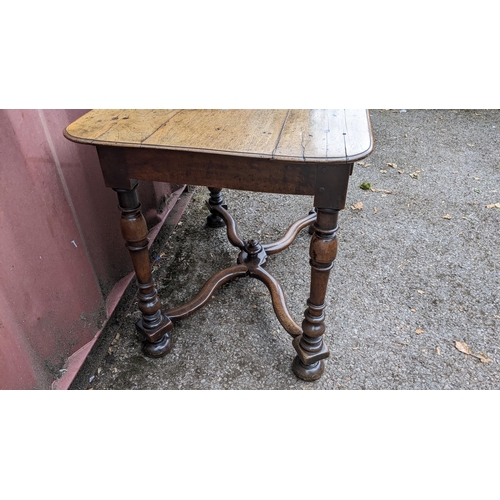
216 200
311 350
302 152
153 324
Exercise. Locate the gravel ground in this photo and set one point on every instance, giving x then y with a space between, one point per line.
417 271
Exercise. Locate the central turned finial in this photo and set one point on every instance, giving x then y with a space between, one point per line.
253 247
253 255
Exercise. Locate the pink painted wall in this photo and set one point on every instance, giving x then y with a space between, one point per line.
61 251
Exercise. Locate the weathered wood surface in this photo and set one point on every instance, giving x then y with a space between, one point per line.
316 135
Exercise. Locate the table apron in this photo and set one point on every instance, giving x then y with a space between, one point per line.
327 182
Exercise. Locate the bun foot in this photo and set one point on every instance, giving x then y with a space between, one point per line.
215 221
308 373
157 349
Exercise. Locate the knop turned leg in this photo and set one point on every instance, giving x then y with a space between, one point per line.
311 350
153 324
213 219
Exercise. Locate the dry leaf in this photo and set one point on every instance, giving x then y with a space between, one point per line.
438 350
447 216
375 210
413 310
420 292
414 175
483 358
493 205
357 206
419 331
392 165
383 171
463 347
375 190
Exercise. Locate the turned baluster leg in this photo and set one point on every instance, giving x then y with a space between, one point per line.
153 324
215 220
311 350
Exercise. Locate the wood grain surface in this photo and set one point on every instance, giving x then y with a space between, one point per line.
317 135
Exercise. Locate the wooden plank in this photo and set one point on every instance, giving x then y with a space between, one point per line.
312 135
253 132
93 124
136 126
358 137
111 126
303 135
337 134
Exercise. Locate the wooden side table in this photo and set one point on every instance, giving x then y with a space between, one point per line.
303 152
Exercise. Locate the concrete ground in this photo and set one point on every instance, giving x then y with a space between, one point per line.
413 300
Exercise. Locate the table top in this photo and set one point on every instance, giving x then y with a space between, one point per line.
316 135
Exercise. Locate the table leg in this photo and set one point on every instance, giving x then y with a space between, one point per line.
311 350
153 324
216 199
